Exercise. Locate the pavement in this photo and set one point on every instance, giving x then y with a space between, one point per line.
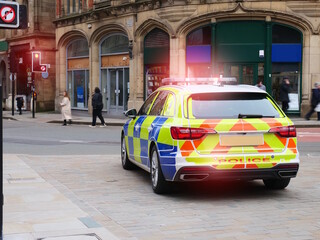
84 118
78 117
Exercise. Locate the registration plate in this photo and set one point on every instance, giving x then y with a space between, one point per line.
236 140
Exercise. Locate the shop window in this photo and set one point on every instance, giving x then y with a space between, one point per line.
78 48
115 44
78 73
286 62
292 72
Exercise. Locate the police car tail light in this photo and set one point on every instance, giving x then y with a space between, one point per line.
287 131
189 133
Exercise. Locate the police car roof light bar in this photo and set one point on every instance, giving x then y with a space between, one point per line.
205 81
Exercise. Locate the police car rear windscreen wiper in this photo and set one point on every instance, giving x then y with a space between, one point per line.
253 116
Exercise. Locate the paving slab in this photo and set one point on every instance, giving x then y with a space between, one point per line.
32 207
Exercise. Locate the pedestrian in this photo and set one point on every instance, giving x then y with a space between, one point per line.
97 107
20 102
284 94
315 99
66 109
260 85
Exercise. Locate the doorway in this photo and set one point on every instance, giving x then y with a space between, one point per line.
115 89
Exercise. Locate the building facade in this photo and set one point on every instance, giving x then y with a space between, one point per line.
16 47
126 47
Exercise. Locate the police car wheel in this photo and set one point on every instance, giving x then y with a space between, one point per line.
276 183
126 164
159 184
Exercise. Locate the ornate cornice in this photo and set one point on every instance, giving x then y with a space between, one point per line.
177 11
238 11
310 9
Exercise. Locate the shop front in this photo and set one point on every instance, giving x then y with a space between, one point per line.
250 51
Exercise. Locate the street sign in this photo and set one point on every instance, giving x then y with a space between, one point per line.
9 14
45 75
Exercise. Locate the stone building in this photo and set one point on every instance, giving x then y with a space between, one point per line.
126 47
16 47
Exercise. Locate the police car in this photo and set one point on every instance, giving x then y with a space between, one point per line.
198 132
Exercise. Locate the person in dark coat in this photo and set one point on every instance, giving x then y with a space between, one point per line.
97 107
20 102
284 94
315 99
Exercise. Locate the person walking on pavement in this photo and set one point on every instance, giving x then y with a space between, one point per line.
261 86
97 107
284 94
315 99
66 109
20 102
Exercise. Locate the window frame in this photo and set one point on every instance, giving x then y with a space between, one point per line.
174 105
108 36
153 104
152 101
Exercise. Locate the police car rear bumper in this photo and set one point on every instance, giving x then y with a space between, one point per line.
201 173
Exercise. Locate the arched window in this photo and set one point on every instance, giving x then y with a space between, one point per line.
115 44
78 48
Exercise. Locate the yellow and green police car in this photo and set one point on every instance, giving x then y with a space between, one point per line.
203 132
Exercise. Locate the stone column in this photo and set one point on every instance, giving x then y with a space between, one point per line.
174 57
182 56
61 78
94 70
138 82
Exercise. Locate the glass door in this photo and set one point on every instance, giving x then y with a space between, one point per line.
117 89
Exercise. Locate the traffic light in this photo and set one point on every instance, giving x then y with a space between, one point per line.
23 17
35 95
36 63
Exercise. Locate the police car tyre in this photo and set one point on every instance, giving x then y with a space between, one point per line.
276 183
126 164
159 184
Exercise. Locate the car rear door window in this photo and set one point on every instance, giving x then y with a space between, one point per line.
231 105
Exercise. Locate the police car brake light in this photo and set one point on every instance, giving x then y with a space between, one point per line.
287 131
179 133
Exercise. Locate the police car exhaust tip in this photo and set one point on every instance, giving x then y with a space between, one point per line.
287 174
193 177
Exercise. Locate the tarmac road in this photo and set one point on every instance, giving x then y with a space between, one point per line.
63 181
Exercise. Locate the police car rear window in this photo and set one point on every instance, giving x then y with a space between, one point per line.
231 105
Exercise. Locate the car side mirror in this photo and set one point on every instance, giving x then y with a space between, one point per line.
131 113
